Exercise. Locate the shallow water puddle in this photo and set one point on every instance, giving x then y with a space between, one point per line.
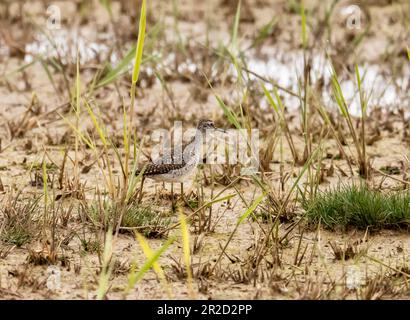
286 70
63 44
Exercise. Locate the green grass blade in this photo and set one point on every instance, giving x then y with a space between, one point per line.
19 69
156 266
135 277
264 32
86 140
251 209
96 124
107 5
140 43
120 69
186 249
236 26
270 99
77 86
229 113
304 31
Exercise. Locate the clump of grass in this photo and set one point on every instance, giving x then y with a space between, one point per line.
360 207
90 246
16 235
144 218
19 223
136 216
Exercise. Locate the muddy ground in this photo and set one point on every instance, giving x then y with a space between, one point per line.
181 45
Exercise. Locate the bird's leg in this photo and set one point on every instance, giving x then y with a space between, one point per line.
161 190
172 196
182 191
183 199
157 193
142 184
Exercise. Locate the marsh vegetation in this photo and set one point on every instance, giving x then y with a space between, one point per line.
85 84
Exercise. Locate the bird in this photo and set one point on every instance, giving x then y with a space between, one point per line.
180 164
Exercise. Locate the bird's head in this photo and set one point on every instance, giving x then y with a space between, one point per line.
206 124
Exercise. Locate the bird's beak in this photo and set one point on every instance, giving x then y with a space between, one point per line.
221 130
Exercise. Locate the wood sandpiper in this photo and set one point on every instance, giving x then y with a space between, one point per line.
179 166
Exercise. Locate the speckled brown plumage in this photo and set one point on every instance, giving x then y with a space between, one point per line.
155 169
180 166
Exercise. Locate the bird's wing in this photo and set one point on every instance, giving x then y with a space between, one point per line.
155 169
